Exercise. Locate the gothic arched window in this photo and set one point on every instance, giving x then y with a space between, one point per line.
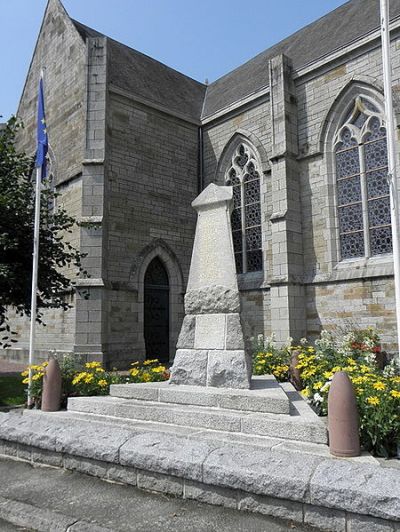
244 177
363 202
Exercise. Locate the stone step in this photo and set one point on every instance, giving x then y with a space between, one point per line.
265 395
296 427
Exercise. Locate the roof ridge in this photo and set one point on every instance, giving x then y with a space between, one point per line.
282 41
134 50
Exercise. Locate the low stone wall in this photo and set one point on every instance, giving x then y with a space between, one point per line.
308 514
331 494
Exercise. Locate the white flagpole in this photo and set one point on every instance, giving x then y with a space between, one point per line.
391 140
35 265
34 278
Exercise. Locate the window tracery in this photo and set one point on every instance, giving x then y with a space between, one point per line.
363 201
244 178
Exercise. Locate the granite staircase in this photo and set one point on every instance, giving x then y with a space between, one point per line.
268 409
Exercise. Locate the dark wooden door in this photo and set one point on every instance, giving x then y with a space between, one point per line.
156 311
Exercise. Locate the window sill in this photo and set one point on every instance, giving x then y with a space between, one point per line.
363 262
250 281
361 268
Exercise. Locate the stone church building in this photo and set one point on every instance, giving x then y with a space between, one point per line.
299 134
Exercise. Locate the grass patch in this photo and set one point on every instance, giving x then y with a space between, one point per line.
12 391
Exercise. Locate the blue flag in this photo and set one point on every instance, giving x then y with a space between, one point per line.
42 140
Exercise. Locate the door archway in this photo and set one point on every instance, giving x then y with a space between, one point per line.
156 311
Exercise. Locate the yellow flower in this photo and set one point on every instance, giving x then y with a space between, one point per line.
269 355
88 379
25 381
396 380
25 373
93 365
337 368
351 362
318 385
99 370
364 368
379 385
77 379
148 362
134 372
328 374
359 380
37 377
373 400
146 377
102 383
158 369
395 393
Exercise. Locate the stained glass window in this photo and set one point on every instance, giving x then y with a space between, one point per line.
363 203
244 178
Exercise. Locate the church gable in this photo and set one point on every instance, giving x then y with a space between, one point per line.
61 54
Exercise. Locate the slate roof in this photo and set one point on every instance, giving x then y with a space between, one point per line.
331 32
154 81
143 76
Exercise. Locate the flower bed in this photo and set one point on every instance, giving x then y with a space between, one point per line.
92 379
358 354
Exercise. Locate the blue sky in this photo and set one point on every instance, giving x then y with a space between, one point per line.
201 38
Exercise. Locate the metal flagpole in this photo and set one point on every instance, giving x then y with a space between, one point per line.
391 140
42 146
34 277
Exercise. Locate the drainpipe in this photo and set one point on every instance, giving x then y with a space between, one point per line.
200 181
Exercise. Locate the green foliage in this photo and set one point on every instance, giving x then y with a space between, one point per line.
17 199
148 371
12 391
268 359
91 378
355 352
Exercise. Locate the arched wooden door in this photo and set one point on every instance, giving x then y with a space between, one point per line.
156 311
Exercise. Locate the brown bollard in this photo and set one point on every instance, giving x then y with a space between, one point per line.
343 424
51 394
294 372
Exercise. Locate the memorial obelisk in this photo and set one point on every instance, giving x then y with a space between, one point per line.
211 349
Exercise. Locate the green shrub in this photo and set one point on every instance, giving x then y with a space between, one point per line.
148 371
377 391
91 378
268 359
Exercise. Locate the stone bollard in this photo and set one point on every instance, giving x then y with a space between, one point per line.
294 372
343 423
52 383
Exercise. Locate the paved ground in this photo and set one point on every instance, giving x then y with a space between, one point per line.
57 499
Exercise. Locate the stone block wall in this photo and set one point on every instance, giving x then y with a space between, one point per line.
321 282
339 293
152 178
359 303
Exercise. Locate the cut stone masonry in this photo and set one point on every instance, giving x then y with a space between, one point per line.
211 350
